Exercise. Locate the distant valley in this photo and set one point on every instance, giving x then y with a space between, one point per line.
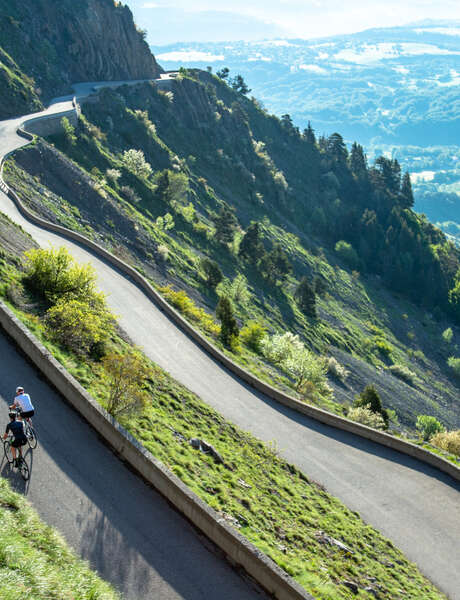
395 90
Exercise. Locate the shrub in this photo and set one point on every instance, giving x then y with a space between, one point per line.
369 398
126 375
428 426
289 353
448 441
54 274
187 307
336 369
130 194
237 290
403 373
252 335
165 223
304 366
280 347
365 416
69 131
348 254
228 325
134 161
113 175
447 335
211 271
454 364
78 324
305 297
163 252
383 347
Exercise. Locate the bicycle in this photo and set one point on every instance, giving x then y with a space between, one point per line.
21 464
30 432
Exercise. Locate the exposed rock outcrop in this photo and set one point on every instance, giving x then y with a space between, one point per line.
58 43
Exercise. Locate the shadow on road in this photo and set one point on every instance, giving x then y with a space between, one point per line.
125 529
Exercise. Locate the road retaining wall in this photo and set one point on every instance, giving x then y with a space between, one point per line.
51 124
237 548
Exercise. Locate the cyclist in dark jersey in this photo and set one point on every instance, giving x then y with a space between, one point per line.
16 427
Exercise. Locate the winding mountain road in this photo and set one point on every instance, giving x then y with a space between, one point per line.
416 506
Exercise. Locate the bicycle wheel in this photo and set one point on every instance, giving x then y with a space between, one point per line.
7 450
23 469
31 437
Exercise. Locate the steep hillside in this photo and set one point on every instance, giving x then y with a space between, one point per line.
381 275
54 45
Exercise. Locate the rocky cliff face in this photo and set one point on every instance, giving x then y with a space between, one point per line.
57 43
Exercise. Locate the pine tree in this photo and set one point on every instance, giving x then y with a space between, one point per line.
162 183
406 195
251 246
305 298
212 272
239 85
223 73
275 265
225 223
228 325
336 148
358 161
309 134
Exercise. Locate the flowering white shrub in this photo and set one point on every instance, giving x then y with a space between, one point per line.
336 369
365 416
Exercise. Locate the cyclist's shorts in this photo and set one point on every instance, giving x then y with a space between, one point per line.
20 442
27 414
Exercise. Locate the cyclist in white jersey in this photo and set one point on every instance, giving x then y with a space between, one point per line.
24 403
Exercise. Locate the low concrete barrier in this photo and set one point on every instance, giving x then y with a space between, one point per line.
51 124
237 548
311 411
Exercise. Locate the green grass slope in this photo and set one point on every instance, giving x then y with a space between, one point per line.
35 562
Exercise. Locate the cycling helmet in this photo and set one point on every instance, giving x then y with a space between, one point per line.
19 389
12 414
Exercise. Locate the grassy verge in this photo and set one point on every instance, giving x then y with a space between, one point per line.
35 562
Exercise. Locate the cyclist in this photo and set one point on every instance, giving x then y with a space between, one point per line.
16 427
23 402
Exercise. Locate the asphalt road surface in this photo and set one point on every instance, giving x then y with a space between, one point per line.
414 505
126 530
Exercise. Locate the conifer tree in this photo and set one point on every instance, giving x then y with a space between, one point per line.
407 197
228 325
212 272
305 298
225 223
162 182
309 134
275 265
336 148
251 246
358 161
